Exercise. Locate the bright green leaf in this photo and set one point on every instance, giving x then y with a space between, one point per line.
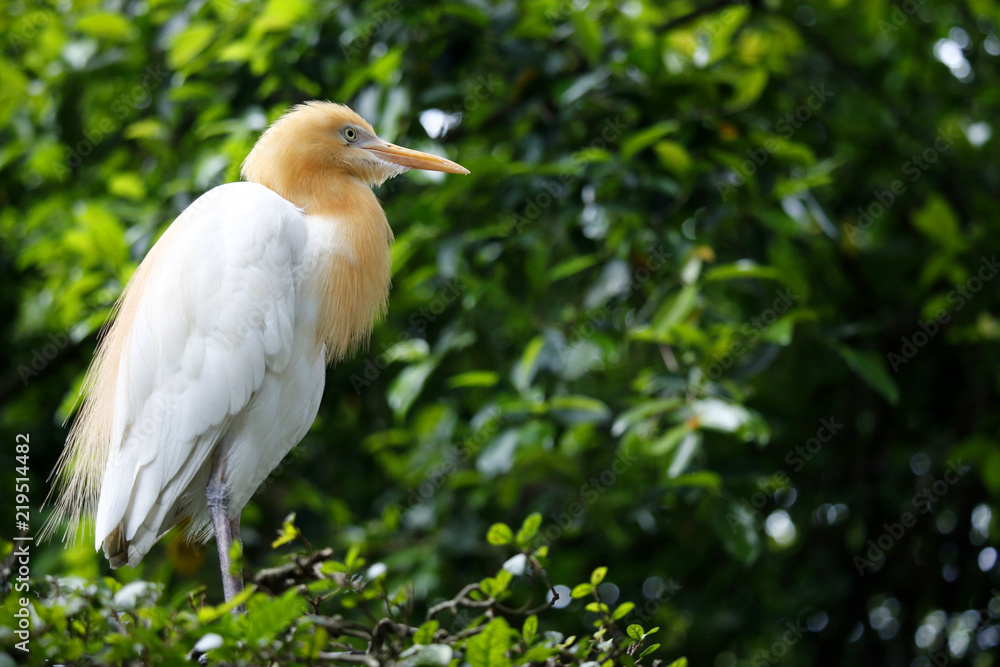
530 629
499 534
528 529
674 157
473 379
408 384
489 647
288 533
938 222
106 25
646 137
571 266
189 43
425 633
623 610
524 371
648 650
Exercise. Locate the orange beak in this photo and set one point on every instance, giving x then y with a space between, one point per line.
407 157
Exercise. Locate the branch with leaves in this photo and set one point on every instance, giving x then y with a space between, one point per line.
314 609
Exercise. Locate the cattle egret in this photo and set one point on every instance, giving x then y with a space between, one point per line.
214 366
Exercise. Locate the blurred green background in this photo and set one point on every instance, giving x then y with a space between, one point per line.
718 299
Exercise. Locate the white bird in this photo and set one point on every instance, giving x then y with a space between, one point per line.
214 366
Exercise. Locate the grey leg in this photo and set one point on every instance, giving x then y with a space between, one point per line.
225 531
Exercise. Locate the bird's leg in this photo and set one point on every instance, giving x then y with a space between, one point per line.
218 511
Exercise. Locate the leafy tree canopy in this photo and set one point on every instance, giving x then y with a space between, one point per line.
715 307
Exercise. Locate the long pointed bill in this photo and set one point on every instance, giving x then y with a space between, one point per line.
407 157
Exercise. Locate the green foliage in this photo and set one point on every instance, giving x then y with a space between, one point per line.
499 534
716 307
310 608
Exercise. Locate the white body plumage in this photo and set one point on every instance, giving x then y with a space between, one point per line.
222 359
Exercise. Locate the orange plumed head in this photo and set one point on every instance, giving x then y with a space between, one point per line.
311 149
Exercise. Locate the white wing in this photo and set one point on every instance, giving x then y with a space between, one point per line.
210 312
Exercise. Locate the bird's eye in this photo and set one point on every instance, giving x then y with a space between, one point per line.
350 133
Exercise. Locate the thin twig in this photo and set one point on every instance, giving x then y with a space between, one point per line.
461 600
386 627
354 658
338 626
283 577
